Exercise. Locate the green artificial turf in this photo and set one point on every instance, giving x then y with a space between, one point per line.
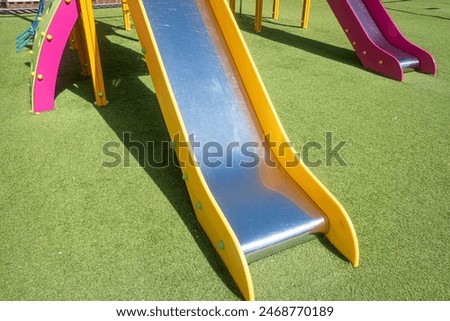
71 229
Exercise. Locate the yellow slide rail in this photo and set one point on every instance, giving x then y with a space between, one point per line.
341 234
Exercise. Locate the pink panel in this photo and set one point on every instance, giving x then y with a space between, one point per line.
51 53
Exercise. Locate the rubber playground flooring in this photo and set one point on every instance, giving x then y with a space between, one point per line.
73 228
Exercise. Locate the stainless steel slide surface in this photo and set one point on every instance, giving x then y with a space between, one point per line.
264 206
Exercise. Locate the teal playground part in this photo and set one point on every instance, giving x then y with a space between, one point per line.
28 35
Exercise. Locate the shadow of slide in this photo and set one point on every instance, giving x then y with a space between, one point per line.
325 50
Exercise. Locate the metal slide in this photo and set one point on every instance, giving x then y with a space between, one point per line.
251 194
377 41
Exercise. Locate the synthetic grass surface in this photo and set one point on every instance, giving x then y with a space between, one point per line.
71 229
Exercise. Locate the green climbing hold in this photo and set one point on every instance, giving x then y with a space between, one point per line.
221 245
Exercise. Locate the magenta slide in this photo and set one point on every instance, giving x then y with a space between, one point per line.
377 41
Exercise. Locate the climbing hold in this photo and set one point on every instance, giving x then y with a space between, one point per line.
221 245
100 94
39 19
49 37
40 77
346 30
364 52
67 1
198 205
185 177
173 144
380 62
33 74
143 50
42 33
30 52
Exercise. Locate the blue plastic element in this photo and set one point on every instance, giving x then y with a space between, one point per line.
27 36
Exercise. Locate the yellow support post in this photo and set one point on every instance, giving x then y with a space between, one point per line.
73 41
90 34
305 14
276 9
233 6
126 15
79 43
258 15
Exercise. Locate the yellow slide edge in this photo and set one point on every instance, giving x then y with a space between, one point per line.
341 232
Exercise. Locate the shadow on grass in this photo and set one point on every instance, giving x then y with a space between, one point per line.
133 108
315 47
414 13
419 14
27 17
330 247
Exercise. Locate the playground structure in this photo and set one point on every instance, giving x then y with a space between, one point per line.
248 213
275 12
377 41
60 19
209 91
49 33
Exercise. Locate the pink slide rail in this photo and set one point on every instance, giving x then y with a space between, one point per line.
373 56
54 40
